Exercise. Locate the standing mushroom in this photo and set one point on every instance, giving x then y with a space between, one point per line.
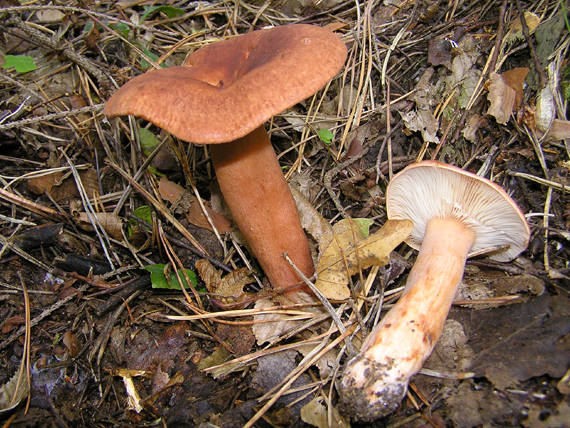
224 93
454 212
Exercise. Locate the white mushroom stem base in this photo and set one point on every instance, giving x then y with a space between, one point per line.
263 208
375 381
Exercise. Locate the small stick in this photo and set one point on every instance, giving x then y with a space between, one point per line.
537 63
319 295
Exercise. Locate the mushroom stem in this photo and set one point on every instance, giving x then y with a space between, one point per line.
375 381
262 206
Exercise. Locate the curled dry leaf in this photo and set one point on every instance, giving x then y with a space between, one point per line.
175 193
475 122
311 220
230 287
14 391
505 93
501 98
350 252
543 118
545 109
112 223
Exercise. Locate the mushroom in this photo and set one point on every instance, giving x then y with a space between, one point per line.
222 95
454 212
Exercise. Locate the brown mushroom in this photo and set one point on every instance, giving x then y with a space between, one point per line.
454 212
224 93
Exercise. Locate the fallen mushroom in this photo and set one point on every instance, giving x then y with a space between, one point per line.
224 93
454 212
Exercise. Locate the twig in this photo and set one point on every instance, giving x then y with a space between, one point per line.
540 180
499 39
327 305
537 64
39 38
310 359
46 117
160 206
329 175
45 313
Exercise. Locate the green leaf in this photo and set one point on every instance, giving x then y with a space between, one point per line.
325 135
121 28
159 280
144 213
363 225
144 63
148 140
169 11
88 26
156 172
21 63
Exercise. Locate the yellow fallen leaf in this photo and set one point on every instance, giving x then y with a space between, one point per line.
315 413
350 251
515 28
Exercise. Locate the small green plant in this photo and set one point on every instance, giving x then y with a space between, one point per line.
326 136
121 28
20 63
148 141
158 278
169 11
144 213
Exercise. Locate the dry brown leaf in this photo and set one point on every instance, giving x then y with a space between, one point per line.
424 122
501 98
112 223
175 193
49 16
439 52
560 130
311 220
268 327
209 274
61 190
230 287
342 258
475 122
216 358
515 79
169 190
71 342
422 119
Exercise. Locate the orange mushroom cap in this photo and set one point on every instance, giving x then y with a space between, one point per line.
227 89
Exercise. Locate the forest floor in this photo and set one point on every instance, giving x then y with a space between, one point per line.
96 211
